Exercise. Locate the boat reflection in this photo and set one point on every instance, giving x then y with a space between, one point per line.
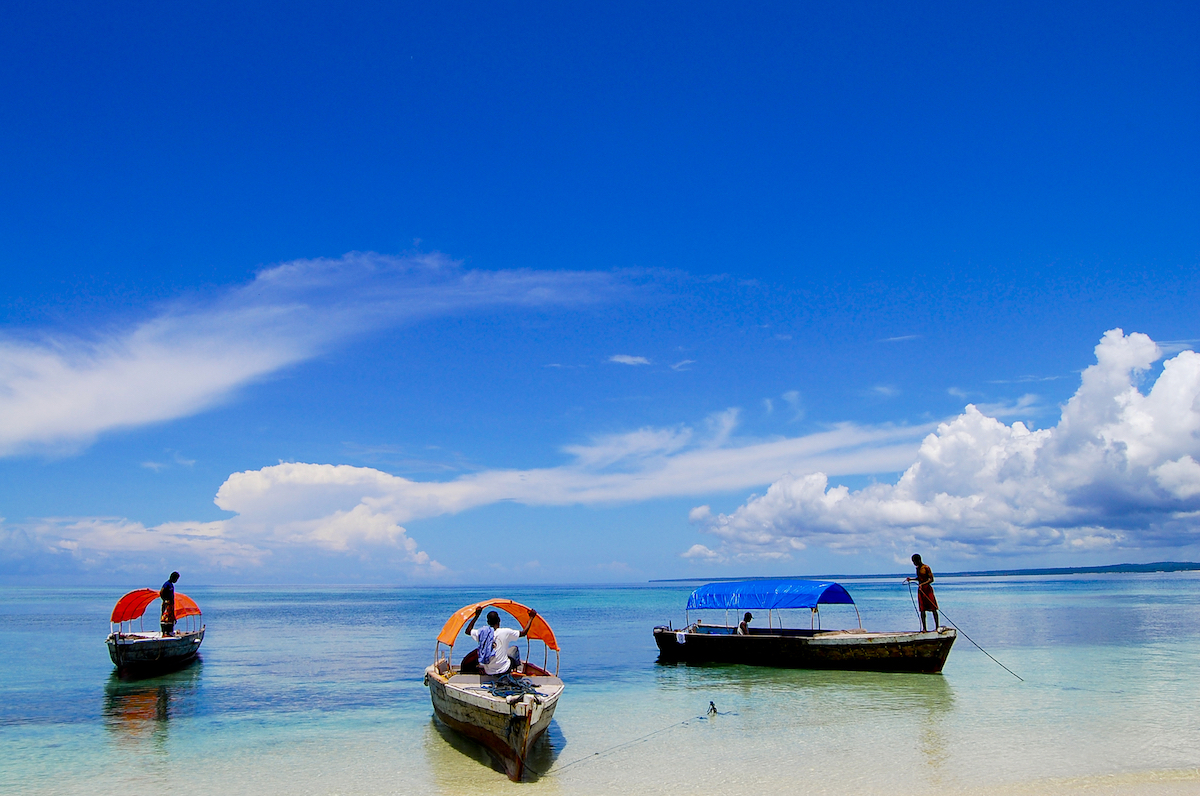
455 759
140 711
921 706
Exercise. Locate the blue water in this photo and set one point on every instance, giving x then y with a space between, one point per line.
318 690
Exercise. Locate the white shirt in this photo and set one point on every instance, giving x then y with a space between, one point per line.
503 638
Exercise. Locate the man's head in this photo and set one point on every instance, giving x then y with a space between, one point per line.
174 577
747 617
493 619
917 559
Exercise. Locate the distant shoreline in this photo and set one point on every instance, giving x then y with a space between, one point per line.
1161 566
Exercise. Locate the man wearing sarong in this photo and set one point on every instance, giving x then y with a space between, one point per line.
926 601
167 595
496 656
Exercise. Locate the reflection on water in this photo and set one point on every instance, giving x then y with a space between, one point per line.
922 703
901 691
455 759
140 711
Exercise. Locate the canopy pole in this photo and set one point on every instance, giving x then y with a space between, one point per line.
856 613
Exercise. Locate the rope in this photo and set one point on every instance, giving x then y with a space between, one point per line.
960 630
505 685
616 747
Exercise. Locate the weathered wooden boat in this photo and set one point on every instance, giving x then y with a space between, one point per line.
800 648
505 719
145 652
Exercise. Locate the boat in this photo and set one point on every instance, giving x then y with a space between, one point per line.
799 648
507 716
147 652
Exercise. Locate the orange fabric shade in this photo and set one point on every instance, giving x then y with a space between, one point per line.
185 606
133 605
454 625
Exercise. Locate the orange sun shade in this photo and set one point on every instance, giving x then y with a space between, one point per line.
133 605
454 625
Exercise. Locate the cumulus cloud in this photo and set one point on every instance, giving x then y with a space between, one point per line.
626 359
1119 470
240 544
58 392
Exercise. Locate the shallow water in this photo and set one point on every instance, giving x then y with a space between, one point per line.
319 691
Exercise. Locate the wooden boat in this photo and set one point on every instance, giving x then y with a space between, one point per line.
506 720
145 652
801 648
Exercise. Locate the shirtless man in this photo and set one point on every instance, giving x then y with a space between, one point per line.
926 601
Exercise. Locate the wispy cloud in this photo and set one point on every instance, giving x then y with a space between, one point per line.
342 510
899 339
58 392
794 402
683 364
626 359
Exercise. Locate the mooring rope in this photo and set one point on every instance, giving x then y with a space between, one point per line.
960 630
557 770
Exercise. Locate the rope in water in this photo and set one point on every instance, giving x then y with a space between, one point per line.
960 630
605 752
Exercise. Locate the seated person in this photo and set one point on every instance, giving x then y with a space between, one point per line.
498 653
744 625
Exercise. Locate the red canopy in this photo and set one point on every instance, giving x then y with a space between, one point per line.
539 630
133 605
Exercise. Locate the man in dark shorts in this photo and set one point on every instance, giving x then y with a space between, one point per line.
926 601
167 595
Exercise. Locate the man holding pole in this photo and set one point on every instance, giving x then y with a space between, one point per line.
926 601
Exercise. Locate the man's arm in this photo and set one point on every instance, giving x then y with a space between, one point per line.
532 616
474 619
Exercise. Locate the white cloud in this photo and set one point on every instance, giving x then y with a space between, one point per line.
57 393
792 399
624 468
699 551
626 359
1118 470
683 364
1025 405
294 508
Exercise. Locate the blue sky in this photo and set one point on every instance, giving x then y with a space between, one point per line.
395 294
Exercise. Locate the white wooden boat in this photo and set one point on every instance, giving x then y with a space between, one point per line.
143 652
506 720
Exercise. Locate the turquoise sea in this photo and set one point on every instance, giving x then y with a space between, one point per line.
318 691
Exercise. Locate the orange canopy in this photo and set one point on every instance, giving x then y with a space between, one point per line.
454 625
133 605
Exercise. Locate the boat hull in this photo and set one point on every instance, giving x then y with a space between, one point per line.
862 651
508 728
150 653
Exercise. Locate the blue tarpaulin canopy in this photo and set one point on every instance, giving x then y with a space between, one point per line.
769 594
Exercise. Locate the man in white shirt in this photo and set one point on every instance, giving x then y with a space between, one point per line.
497 650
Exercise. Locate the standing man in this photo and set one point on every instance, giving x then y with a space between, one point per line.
744 625
495 654
167 595
925 599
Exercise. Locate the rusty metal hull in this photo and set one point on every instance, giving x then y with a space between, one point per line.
802 649
149 653
507 728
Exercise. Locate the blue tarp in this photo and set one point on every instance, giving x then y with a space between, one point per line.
749 595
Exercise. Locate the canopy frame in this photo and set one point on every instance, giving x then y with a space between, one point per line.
771 595
539 629
132 606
